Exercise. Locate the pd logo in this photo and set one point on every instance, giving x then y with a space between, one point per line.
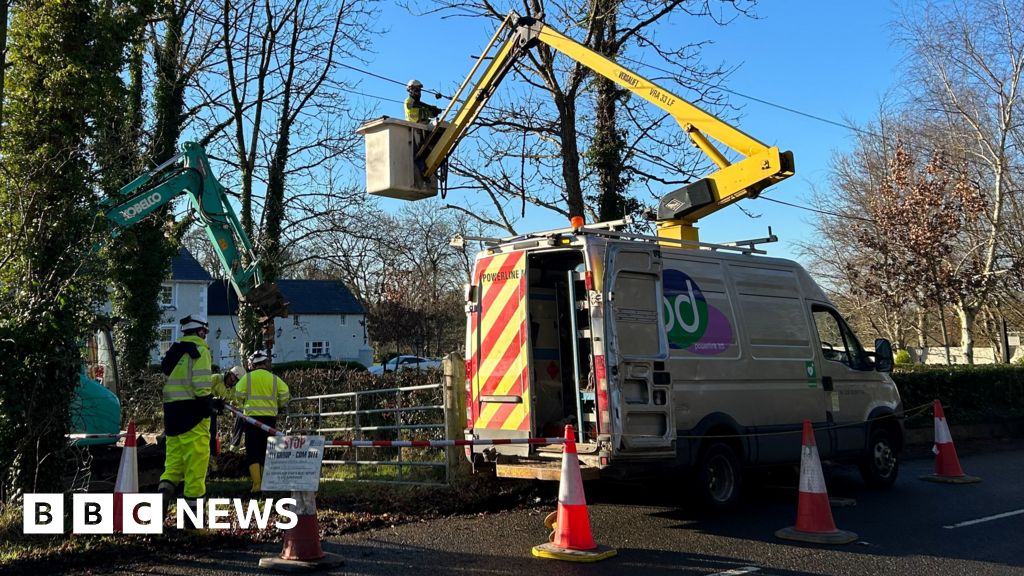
690 322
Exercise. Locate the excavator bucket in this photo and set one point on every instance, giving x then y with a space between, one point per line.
268 301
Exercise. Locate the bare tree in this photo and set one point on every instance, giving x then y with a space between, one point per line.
967 66
540 126
284 115
402 269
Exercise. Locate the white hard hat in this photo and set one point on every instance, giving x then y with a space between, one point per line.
193 322
238 371
258 356
414 84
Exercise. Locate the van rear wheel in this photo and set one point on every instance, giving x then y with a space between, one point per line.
879 466
717 478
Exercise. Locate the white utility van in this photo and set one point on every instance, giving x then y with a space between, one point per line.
697 359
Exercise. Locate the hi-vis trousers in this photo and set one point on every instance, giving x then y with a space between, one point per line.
187 458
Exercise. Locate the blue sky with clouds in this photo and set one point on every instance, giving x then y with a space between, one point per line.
835 60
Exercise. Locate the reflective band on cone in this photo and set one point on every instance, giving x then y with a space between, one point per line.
572 539
127 477
947 465
814 521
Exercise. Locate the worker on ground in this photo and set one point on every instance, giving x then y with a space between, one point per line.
262 396
188 404
415 110
223 387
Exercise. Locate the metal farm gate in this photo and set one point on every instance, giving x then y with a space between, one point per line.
404 413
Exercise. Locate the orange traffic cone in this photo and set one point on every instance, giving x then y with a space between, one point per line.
572 539
127 476
302 551
813 513
947 465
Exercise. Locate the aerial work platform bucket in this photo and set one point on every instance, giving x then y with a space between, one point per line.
391 170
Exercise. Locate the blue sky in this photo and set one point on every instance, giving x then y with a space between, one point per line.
835 60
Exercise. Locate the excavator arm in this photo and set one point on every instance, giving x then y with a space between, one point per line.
758 167
189 173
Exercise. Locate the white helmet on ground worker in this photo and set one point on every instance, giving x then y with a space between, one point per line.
258 357
238 371
193 322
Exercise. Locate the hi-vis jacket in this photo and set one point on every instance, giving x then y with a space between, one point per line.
190 377
188 386
262 394
417 111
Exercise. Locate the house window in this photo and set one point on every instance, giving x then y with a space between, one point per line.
341 320
166 333
167 296
318 349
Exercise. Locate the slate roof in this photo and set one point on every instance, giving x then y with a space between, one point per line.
185 268
303 296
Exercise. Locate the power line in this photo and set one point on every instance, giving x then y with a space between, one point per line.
437 93
357 93
656 161
825 212
375 75
760 100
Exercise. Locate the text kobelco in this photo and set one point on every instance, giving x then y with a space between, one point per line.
133 210
140 513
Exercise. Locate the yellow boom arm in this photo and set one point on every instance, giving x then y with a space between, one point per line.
760 165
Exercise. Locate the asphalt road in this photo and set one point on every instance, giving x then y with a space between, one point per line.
915 528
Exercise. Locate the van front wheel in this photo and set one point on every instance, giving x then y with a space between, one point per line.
717 478
879 466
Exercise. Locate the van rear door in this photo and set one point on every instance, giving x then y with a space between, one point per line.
637 342
497 351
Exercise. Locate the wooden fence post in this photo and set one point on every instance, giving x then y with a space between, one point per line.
455 415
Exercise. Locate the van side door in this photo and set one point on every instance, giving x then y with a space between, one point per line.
641 397
846 372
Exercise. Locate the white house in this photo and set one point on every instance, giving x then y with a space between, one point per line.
325 320
183 294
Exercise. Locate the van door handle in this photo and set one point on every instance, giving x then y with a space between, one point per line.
826 383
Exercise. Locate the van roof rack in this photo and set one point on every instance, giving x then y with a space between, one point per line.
741 246
615 229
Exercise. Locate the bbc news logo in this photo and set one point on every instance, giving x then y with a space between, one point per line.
140 513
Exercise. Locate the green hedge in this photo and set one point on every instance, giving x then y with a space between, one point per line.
326 365
969 394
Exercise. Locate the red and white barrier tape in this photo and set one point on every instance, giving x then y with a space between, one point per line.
441 443
404 443
254 422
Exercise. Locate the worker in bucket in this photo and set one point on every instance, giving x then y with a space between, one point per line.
415 110
188 404
262 396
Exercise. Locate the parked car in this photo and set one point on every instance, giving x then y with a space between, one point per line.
399 363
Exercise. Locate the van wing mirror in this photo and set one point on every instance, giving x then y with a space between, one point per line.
883 355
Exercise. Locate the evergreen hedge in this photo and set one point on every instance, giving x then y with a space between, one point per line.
969 394
330 365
